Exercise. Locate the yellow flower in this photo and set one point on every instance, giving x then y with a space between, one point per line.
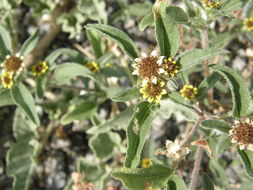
153 92
211 3
13 64
189 92
146 162
7 79
40 68
148 68
92 66
170 67
248 24
242 134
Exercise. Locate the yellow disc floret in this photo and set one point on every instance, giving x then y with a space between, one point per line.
40 68
170 67
248 24
211 3
146 162
7 79
189 92
92 66
153 92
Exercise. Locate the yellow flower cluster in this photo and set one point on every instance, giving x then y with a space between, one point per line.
92 66
12 65
152 70
146 162
40 68
189 92
211 3
248 24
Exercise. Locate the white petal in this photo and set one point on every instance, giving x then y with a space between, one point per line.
137 59
17 54
135 72
7 56
161 70
134 65
154 53
144 55
154 80
144 82
160 60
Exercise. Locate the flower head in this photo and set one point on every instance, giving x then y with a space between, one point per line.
146 162
7 79
148 68
92 66
153 92
211 3
13 64
248 24
242 134
40 68
170 67
189 92
175 151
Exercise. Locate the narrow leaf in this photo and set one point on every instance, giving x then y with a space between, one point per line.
247 162
137 131
196 56
153 177
30 43
216 124
64 72
95 43
127 95
81 112
5 42
119 37
177 14
176 183
167 34
207 184
146 21
5 98
238 88
24 100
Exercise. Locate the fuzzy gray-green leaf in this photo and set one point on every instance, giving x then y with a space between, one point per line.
238 88
246 158
5 98
216 124
154 177
24 100
119 37
5 42
137 131
127 95
177 14
206 182
196 56
146 21
30 43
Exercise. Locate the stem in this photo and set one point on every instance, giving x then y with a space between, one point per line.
195 172
192 132
205 44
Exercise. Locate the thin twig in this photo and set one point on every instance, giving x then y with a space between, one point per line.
195 172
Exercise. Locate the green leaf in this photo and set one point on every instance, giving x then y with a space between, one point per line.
139 9
30 43
196 56
81 112
232 5
117 122
92 170
207 184
238 88
153 177
127 95
24 100
21 164
119 37
167 34
246 159
216 124
176 183
137 131
146 21
103 145
65 72
95 42
207 83
177 14
5 42
40 86
5 98
73 55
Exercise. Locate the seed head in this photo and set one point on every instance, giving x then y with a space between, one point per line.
242 133
13 64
